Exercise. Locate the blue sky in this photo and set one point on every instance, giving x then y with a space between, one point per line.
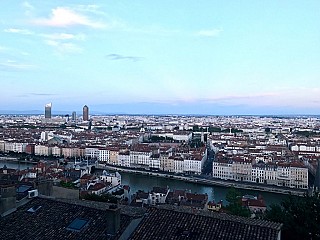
196 57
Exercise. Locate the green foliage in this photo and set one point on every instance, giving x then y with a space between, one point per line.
275 213
102 198
160 139
196 128
196 143
67 185
300 217
305 133
233 130
214 129
233 195
235 208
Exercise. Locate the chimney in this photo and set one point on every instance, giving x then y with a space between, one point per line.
45 187
7 198
113 219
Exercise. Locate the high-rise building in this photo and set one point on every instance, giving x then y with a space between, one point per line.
47 110
85 113
74 116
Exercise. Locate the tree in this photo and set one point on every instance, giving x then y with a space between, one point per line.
93 169
195 128
235 207
232 195
300 217
214 129
101 198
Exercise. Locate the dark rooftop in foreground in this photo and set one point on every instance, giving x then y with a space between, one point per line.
169 224
49 219
43 218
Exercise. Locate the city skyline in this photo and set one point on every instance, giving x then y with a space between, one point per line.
47 110
207 57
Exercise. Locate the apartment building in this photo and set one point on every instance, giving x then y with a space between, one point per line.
140 156
124 158
166 162
56 151
104 155
92 152
42 150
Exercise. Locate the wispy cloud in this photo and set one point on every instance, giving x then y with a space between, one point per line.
209 33
66 17
63 47
10 65
42 94
2 48
115 56
91 8
64 36
27 95
19 31
64 42
28 8
241 97
225 100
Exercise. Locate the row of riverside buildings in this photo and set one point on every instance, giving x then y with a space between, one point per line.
262 161
293 175
169 157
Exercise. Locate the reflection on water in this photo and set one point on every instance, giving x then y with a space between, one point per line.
146 183
15 165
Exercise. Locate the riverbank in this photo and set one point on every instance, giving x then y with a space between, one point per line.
15 160
210 181
191 179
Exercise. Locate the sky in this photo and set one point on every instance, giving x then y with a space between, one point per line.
161 57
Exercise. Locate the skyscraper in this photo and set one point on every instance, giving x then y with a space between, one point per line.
74 116
47 110
85 113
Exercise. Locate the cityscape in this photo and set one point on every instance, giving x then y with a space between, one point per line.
82 156
138 120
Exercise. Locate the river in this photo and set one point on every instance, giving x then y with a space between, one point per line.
146 183
15 165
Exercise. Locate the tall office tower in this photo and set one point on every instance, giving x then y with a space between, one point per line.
74 116
85 113
47 110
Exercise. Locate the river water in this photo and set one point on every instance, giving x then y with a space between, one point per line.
146 183
15 165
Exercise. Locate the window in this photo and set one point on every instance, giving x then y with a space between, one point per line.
34 209
77 224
